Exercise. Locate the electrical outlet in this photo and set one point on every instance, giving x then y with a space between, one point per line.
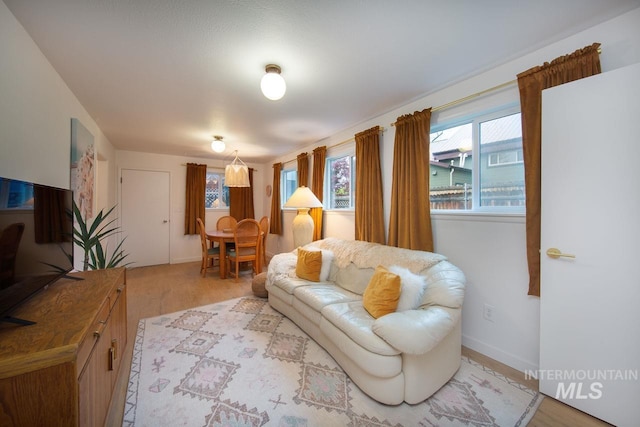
488 312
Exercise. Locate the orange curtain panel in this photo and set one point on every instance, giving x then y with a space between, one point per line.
410 218
369 208
581 63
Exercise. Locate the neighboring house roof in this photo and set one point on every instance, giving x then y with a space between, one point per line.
461 141
509 127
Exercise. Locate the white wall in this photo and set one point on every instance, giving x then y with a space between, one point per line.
36 108
185 248
490 249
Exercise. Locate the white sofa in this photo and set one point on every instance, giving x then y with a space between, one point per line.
404 356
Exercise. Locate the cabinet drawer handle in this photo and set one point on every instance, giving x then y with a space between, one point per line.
113 353
120 289
98 332
111 358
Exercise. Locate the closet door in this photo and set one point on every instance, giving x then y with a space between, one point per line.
145 216
589 316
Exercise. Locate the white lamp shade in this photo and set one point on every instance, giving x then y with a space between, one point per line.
273 85
236 175
303 197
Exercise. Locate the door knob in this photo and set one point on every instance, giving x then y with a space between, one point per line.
165 221
556 253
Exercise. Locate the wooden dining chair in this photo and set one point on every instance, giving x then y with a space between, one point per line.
226 223
209 255
264 227
247 242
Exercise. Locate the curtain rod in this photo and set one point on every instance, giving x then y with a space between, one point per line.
472 96
469 97
346 141
217 167
477 94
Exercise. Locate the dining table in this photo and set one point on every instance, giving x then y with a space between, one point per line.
223 237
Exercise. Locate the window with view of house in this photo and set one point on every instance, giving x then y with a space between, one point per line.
478 165
501 162
340 184
216 195
505 158
289 182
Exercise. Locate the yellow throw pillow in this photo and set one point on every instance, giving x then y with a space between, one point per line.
309 265
382 293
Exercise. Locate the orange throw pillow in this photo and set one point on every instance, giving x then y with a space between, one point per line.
309 265
382 293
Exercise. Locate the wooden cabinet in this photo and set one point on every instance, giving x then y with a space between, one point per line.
62 370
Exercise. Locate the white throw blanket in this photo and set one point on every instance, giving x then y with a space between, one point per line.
282 265
370 255
361 254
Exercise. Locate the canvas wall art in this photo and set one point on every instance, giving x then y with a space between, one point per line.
82 167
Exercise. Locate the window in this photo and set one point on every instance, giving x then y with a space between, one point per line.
505 158
289 184
340 188
216 195
478 165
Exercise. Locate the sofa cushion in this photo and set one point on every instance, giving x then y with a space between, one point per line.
445 286
287 284
319 295
416 331
352 319
411 288
308 265
382 293
353 278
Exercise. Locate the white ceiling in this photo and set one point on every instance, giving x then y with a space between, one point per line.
163 76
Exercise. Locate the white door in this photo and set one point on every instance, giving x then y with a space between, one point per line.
145 216
589 305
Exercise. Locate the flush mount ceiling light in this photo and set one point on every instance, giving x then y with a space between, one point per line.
218 144
236 174
272 84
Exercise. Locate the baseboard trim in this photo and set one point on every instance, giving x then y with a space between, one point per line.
499 355
183 260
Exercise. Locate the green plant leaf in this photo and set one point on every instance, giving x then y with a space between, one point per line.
90 237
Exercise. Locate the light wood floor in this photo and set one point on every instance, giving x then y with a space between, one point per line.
156 290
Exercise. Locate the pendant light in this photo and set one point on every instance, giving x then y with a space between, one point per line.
236 174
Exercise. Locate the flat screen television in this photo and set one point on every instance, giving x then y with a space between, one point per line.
36 241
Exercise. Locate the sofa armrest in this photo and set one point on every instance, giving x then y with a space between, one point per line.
416 331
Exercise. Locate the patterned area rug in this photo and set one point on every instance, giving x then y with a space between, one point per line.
241 363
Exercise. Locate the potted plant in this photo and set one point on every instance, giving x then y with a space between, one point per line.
89 238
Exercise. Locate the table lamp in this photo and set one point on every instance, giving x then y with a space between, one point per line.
303 199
